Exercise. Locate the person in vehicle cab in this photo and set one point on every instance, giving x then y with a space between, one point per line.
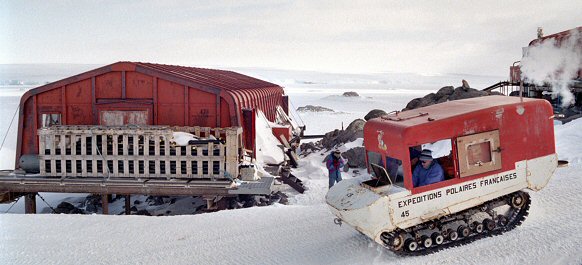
427 171
414 155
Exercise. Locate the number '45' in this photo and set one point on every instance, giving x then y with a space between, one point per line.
405 214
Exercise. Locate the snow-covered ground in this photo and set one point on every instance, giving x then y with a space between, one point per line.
300 233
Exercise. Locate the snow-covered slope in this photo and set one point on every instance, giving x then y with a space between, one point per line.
281 235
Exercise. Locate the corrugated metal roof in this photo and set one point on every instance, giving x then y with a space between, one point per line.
222 79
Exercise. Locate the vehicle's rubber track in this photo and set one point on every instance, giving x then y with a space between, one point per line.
515 216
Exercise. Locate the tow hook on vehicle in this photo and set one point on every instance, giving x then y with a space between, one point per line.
337 221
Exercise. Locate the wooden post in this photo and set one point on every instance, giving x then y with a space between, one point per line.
127 204
105 203
30 203
232 151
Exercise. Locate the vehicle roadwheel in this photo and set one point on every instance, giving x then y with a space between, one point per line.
426 241
464 231
477 227
437 238
489 224
411 245
397 241
453 235
518 200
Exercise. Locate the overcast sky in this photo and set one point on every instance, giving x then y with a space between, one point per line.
469 37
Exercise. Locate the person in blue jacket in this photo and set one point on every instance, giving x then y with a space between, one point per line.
428 171
334 163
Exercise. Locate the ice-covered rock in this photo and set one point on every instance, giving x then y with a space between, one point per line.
312 108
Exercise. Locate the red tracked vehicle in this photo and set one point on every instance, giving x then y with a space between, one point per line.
491 148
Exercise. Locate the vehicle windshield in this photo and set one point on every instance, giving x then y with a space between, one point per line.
385 170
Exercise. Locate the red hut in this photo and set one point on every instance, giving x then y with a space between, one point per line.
147 94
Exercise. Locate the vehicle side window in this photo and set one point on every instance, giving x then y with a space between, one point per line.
394 169
479 153
432 162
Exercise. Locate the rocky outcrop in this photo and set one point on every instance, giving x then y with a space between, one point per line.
447 93
308 148
350 94
334 138
65 207
337 138
312 108
356 157
375 113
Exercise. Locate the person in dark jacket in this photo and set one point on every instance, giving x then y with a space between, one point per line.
428 171
334 163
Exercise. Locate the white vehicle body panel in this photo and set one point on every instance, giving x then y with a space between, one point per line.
373 212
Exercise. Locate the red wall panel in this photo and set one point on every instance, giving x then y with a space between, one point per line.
78 92
52 97
108 85
28 130
202 108
79 114
171 114
170 92
138 85
170 103
224 114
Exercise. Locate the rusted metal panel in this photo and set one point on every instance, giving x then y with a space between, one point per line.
126 107
514 74
123 117
558 37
